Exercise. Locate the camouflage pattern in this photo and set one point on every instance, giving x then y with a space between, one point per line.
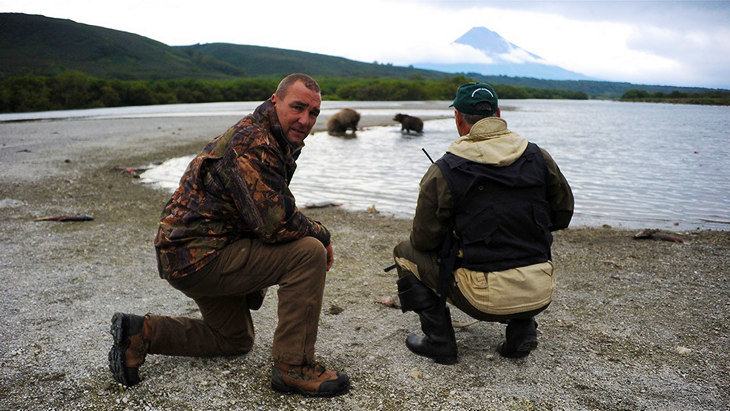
238 187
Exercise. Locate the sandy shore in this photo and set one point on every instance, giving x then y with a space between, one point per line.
635 324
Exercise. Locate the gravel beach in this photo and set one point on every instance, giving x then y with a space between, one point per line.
635 324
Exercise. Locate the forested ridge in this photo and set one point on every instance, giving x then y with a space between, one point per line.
52 64
74 90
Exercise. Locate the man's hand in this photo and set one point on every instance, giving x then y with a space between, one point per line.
330 257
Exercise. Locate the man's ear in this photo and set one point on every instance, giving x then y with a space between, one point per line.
458 117
499 112
461 126
273 98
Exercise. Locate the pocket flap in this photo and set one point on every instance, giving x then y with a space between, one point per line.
478 228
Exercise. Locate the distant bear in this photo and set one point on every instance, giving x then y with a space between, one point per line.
409 123
343 120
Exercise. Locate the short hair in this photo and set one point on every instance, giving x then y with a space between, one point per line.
308 81
472 119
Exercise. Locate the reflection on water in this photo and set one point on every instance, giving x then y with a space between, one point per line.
343 134
630 165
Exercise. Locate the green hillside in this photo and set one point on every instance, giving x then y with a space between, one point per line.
38 45
258 61
49 63
595 89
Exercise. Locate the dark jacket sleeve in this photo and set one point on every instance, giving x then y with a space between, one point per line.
433 211
559 195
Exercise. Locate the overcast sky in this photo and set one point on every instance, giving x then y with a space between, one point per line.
683 43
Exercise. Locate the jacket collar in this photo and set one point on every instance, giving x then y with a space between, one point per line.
490 142
266 115
486 128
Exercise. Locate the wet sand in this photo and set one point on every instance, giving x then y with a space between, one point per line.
635 324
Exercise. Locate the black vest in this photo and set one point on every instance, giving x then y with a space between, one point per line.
501 214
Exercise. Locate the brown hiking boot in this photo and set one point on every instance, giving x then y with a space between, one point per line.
129 348
309 380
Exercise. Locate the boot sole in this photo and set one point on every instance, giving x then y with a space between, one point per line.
116 354
527 346
122 374
117 329
522 351
288 389
116 366
445 360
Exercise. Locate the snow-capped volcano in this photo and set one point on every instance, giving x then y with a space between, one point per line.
497 56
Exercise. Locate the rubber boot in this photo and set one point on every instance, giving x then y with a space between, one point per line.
521 338
439 342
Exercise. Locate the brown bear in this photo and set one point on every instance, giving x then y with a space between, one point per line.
409 123
343 120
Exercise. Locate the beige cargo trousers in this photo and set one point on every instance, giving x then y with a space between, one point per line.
245 267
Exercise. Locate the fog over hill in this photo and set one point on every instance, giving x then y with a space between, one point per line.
36 45
499 57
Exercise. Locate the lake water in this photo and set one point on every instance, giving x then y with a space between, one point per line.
630 165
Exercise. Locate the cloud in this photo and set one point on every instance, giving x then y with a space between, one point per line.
520 56
619 50
711 46
701 57
668 42
680 14
444 53
672 42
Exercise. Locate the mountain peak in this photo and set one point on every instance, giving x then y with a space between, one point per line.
499 57
492 44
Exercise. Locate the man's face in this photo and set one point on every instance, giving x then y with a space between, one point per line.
297 111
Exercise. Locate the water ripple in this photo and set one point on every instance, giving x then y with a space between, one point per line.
630 165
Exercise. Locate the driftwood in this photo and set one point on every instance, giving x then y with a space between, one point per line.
658 235
322 204
391 301
66 217
132 171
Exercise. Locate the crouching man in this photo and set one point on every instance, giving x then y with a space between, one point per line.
230 231
481 234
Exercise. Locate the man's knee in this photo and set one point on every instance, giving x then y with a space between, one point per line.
404 255
305 258
236 344
311 249
402 249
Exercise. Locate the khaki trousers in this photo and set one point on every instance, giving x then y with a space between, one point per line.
425 267
244 267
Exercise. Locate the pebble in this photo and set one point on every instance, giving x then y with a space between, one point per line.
683 350
416 374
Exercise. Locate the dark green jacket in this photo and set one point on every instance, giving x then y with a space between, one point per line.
488 142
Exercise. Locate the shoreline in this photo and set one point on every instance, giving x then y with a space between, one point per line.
635 324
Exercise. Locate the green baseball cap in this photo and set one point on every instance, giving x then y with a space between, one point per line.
469 94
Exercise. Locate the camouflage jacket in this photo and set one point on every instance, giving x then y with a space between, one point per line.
238 187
